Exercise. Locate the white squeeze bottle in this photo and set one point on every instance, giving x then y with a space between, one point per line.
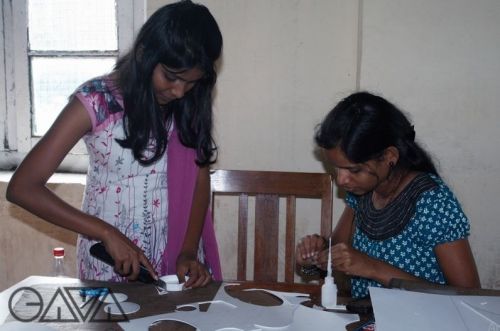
329 289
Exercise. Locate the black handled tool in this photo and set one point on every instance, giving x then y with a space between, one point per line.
99 252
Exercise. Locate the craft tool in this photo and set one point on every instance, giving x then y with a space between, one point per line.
99 251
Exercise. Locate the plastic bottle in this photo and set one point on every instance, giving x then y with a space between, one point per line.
329 289
58 266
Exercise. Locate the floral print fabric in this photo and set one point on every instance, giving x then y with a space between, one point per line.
131 197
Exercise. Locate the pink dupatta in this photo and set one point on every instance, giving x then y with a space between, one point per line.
182 172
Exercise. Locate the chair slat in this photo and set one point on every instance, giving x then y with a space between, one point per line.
266 237
242 237
290 239
326 213
268 187
269 182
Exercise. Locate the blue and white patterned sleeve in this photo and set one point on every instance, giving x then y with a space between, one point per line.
443 219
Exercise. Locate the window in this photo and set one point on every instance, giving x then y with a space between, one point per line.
48 51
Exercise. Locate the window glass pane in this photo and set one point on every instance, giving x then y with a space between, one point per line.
72 25
53 81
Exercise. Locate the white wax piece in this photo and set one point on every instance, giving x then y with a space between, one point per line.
126 308
113 297
172 282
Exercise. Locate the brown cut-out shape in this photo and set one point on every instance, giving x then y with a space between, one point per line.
170 325
186 308
254 297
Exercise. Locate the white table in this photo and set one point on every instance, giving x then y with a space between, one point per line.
29 281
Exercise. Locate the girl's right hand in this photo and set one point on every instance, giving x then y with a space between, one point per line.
308 249
127 256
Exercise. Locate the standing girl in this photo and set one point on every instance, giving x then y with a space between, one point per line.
147 127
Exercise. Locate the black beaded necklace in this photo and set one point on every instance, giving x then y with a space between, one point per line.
384 223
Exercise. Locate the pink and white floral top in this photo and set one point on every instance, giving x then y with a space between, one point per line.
119 190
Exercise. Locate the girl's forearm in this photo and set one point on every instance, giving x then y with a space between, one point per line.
382 272
201 200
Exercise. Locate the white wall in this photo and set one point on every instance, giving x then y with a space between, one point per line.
287 62
440 61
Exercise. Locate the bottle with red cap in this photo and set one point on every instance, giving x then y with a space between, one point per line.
58 269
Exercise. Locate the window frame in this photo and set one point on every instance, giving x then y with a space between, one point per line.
15 96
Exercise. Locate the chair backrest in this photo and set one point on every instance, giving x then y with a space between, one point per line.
268 187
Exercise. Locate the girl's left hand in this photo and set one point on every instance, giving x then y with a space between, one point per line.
349 260
188 264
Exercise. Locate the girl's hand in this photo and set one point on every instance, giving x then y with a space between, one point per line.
308 249
349 260
127 256
188 264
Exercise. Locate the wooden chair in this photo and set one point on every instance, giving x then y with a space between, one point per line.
268 187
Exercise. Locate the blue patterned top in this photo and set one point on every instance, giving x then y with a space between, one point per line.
438 219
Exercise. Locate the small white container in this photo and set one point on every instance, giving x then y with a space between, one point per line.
172 282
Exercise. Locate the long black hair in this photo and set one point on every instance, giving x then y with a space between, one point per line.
363 125
181 35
